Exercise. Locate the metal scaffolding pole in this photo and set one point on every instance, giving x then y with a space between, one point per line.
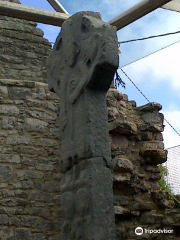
173 6
32 14
57 6
137 12
56 18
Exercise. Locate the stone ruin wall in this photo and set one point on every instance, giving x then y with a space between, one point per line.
137 150
29 162
29 149
23 50
30 166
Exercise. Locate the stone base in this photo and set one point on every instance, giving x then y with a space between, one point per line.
87 202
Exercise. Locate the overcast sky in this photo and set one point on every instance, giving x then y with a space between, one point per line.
158 75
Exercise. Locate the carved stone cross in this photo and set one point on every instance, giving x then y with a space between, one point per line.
80 70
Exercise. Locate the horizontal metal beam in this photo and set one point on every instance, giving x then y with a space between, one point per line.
32 14
173 6
57 6
137 12
57 19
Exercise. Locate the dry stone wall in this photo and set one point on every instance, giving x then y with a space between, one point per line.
23 50
137 150
29 162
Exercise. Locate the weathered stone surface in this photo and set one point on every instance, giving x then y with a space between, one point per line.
6 173
123 127
146 136
23 234
83 113
35 125
87 202
6 234
151 218
121 200
39 236
41 115
123 178
18 140
122 165
153 118
19 93
9 110
3 92
153 121
140 205
8 122
4 219
7 158
114 94
23 51
81 77
29 173
154 156
119 211
150 107
137 181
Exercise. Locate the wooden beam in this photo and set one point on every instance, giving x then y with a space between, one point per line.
137 12
57 6
173 6
32 14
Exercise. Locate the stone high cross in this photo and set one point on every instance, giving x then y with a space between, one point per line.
80 70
